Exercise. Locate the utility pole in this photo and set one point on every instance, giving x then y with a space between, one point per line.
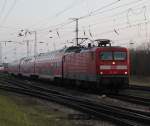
47 45
77 30
54 46
1 61
15 52
35 43
1 55
25 32
28 48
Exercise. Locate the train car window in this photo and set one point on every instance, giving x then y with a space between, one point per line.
106 56
120 55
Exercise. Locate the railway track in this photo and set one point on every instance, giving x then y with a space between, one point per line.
132 99
37 86
118 115
135 94
141 88
121 96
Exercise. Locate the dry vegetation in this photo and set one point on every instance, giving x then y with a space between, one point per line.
23 111
140 66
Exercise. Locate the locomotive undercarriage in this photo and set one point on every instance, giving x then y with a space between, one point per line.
105 84
113 82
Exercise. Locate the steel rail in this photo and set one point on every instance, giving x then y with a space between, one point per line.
35 86
132 99
106 109
141 88
70 104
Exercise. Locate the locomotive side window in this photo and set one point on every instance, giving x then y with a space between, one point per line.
120 55
106 56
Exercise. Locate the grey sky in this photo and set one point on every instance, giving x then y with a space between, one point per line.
122 21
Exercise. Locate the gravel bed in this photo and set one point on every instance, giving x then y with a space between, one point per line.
77 118
102 98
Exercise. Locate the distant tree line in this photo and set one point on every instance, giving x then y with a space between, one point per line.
140 62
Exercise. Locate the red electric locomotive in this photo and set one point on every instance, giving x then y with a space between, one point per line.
105 66
99 66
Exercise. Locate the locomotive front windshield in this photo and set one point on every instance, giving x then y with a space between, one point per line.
106 56
113 55
119 55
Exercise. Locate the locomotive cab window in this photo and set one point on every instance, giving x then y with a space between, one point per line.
120 55
106 56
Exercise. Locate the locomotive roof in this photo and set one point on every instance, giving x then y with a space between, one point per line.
73 49
82 48
117 47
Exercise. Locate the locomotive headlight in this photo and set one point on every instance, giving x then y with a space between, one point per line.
125 72
101 73
113 63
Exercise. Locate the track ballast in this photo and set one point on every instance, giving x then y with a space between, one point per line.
118 115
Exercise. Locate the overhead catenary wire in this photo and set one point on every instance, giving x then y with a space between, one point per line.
101 8
113 30
118 25
9 11
3 8
66 9
60 26
143 10
106 20
63 24
66 23
124 11
125 27
9 27
119 29
61 12
57 26
92 13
